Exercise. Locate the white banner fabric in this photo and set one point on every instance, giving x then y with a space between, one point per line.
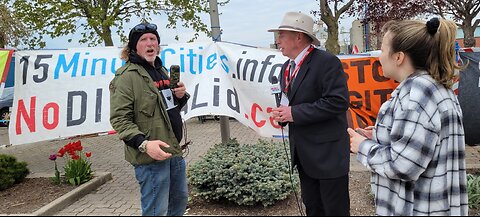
64 93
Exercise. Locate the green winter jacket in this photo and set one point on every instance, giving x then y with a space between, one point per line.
136 107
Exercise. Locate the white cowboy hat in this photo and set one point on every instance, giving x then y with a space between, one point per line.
298 22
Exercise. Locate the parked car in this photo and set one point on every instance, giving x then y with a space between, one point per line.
6 101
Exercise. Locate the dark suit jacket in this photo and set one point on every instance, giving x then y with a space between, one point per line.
319 99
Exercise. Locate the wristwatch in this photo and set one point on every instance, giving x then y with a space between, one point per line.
143 147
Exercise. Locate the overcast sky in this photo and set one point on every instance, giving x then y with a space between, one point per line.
242 21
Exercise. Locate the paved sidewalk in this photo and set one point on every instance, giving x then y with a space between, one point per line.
121 196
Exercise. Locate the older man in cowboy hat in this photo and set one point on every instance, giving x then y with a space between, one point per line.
315 85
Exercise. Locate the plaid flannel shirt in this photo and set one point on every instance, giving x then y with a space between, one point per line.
417 155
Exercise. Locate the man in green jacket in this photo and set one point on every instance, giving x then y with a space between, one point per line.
150 127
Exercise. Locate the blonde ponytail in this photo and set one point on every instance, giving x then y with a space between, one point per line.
443 63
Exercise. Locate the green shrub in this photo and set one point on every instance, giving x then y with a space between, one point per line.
11 171
243 174
473 188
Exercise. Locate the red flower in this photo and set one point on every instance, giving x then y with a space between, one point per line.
61 152
74 162
77 146
71 152
67 147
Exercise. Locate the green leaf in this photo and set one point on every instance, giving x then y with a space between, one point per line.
71 181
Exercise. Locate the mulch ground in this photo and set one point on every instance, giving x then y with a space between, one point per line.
30 195
33 193
361 203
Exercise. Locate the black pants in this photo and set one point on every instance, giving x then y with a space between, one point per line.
325 197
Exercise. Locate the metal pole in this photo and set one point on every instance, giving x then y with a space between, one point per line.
216 36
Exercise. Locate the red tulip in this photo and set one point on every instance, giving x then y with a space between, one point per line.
88 154
67 147
71 152
61 152
77 146
75 157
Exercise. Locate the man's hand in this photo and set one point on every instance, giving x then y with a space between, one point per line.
355 140
155 152
180 91
282 114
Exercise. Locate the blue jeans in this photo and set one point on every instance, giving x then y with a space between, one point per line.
163 186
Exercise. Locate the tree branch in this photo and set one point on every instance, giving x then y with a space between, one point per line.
476 23
344 8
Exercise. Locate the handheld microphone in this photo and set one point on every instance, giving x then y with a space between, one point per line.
276 90
174 76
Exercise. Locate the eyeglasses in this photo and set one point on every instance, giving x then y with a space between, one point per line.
142 27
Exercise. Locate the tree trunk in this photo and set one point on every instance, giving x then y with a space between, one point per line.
108 41
332 45
107 36
2 42
331 20
468 36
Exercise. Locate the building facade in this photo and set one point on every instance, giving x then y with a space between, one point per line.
363 37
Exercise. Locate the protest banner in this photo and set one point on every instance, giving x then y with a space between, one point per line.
5 57
64 93
368 88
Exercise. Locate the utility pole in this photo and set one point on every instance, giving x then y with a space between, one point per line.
216 36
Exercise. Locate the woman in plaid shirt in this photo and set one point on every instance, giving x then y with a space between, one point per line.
416 151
